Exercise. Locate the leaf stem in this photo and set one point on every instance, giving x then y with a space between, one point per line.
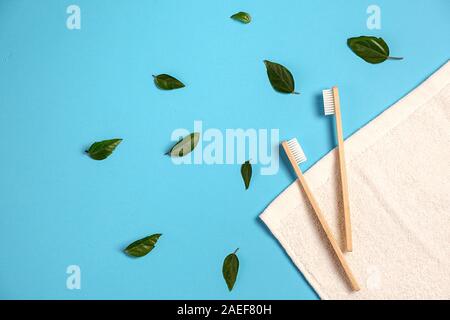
295 92
235 251
395 58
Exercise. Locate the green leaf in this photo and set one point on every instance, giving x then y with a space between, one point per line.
143 246
243 17
166 82
371 49
280 78
185 145
230 269
246 172
102 149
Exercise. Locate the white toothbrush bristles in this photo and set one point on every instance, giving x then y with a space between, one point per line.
328 102
296 150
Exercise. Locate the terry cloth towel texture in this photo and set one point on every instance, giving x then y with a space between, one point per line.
399 188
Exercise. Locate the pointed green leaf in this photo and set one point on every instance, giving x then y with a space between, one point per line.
280 78
243 17
166 82
102 149
246 172
185 145
230 269
371 49
143 246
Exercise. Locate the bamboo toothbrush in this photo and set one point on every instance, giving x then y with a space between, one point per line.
331 105
296 156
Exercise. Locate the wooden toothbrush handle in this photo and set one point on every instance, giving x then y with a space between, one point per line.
348 272
343 171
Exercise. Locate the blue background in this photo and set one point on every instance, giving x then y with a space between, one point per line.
63 89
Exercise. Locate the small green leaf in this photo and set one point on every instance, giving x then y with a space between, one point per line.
185 145
371 49
246 172
243 17
280 78
143 246
230 269
102 149
166 82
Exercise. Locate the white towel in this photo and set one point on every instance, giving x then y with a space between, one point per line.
399 184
